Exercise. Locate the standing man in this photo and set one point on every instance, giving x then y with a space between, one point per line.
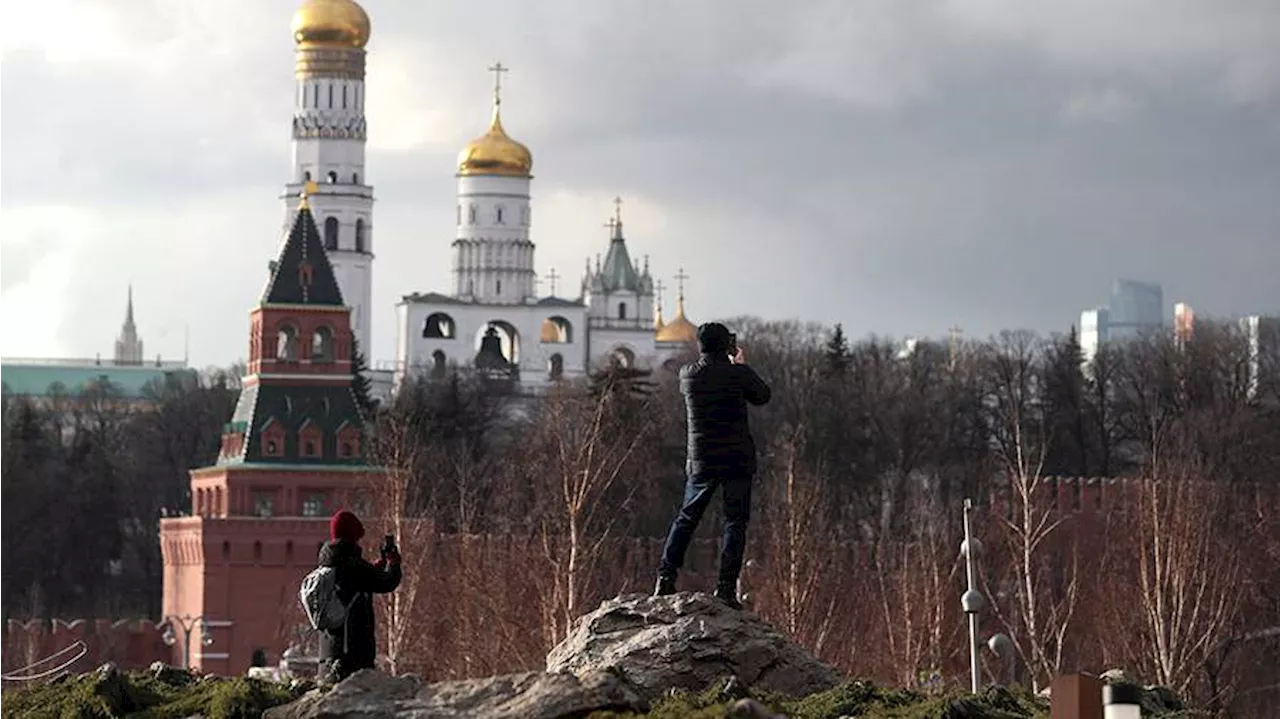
716 388
353 646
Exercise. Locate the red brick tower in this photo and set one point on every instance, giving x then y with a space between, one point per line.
293 453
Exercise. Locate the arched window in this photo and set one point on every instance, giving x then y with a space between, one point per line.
322 345
438 366
499 287
333 177
306 176
555 366
622 310
287 344
498 214
439 326
359 235
471 214
331 95
331 233
355 178
557 330
344 97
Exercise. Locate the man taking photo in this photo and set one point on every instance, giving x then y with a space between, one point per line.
721 454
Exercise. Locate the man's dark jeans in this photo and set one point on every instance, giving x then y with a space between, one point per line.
698 490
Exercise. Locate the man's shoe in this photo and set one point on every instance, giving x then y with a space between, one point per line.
666 586
729 597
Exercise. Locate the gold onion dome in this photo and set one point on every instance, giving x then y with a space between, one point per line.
679 329
332 23
495 153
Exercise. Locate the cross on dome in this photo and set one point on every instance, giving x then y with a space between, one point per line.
497 69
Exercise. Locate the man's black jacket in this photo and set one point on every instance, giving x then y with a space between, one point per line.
355 577
716 393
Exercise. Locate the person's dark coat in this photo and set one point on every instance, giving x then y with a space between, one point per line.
716 395
355 646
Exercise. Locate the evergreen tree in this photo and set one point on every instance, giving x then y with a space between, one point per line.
627 381
1065 407
836 352
360 382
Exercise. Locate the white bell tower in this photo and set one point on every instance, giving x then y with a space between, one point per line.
493 255
328 147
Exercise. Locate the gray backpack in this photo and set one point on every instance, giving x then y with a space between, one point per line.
320 601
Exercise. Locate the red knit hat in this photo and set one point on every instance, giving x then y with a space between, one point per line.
345 525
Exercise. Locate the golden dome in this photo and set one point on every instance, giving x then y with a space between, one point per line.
679 329
334 23
495 153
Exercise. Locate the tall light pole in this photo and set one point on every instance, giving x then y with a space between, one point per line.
972 599
186 624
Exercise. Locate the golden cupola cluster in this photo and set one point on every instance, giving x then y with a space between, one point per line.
332 24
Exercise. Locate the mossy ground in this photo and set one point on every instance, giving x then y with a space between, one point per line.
141 695
854 698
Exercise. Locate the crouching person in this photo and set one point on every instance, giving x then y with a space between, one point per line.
338 598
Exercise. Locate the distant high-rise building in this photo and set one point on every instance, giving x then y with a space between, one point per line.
129 347
1136 307
1184 320
1262 334
1093 331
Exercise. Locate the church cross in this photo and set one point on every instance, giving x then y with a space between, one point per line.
553 276
617 209
659 287
680 278
497 69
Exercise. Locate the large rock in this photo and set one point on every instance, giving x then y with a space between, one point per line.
689 641
531 695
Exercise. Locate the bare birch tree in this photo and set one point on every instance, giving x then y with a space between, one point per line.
1043 604
580 453
1183 598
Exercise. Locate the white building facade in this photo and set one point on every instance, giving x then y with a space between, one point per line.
495 290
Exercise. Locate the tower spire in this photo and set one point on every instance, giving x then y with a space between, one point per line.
128 312
128 346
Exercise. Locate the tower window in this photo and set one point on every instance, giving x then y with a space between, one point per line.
555 367
499 287
359 235
287 344
333 177
306 176
322 345
355 178
471 214
331 97
344 97
498 214
622 310
331 233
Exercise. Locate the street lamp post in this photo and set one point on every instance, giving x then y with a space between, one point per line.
186 624
971 601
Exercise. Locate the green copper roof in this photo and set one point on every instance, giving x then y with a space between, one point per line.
618 272
44 380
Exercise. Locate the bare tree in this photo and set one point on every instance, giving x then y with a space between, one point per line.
1183 598
398 451
1042 561
580 451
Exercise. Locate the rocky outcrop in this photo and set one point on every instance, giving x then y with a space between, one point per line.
623 656
686 641
531 695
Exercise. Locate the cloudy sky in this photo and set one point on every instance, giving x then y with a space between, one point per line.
900 166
